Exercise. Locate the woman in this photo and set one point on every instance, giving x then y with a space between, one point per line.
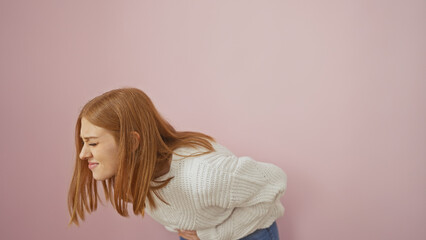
203 190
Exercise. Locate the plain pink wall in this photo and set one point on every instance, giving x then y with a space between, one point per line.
333 92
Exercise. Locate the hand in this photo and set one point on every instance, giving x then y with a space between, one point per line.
190 235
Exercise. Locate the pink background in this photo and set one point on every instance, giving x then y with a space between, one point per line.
333 92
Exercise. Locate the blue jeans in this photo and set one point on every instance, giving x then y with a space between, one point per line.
270 233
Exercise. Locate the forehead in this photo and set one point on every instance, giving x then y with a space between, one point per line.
90 130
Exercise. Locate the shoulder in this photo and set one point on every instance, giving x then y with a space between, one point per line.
219 150
219 162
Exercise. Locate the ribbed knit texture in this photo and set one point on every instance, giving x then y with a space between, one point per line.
220 195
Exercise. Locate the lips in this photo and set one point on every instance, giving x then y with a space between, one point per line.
93 165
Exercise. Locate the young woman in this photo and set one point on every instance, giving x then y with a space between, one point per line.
202 190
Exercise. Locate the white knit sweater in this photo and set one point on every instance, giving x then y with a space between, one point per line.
219 195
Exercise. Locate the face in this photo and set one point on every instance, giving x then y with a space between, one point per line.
100 149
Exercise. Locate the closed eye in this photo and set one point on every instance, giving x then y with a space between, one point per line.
92 144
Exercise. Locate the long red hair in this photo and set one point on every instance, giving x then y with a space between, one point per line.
122 111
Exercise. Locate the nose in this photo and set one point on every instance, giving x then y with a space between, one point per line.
84 154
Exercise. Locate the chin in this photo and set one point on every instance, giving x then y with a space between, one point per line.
99 178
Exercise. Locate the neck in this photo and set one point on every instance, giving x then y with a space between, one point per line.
163 167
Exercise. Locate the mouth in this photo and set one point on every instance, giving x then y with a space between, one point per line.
93 165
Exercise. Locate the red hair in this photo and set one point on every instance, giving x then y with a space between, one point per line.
122 111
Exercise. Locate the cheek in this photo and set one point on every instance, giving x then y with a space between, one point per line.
111 155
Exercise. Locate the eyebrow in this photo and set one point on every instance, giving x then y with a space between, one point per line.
88 137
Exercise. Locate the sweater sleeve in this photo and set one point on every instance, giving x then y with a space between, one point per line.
254 197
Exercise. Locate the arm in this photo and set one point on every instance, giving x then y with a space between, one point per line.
256 188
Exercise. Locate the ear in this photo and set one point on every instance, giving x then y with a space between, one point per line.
135 139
